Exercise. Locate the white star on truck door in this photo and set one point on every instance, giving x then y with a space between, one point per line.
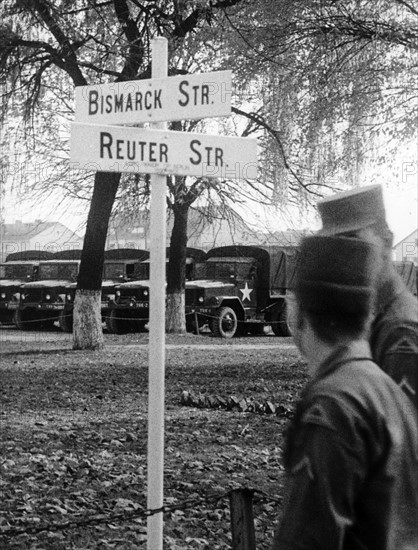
246 292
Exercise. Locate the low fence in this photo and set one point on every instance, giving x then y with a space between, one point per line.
241 511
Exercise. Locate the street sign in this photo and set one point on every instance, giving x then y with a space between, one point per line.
127 149
172 98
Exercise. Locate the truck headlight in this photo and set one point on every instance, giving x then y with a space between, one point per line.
69 297
47 296
3 295
145 293
201 299
118 293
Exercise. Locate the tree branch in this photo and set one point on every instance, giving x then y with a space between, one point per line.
67 53
135 55
258 119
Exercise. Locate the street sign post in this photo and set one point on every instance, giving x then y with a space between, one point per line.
125 149
156 355
171 98
98 145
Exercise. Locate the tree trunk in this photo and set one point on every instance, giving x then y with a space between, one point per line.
176 276
87 322
87 329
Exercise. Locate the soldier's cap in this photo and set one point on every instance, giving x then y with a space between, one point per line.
351 210
336 275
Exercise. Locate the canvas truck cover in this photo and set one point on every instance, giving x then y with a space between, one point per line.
276 265
284 262
126 254
29 256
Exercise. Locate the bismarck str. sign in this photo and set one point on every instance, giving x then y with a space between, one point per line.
172 98
127 149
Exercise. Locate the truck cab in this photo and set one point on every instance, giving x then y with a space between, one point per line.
19 267
120 265
129 312
42 301
243 290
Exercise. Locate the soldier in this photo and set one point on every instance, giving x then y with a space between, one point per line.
394 334
351 450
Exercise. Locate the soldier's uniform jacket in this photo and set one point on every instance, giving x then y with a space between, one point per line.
394 336
352 461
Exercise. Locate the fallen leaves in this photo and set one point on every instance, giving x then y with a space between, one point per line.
74 437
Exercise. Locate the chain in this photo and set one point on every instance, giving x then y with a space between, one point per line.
97 519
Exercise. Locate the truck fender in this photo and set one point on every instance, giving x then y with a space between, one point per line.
234 303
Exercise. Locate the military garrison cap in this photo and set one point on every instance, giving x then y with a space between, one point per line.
352 210
336 275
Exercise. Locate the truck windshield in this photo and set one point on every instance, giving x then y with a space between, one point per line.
200 271
16 271
141 272
66 271
114 271
231 270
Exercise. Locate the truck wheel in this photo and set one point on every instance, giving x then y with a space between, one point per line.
119 325
65 321
225 324
279 323
24 321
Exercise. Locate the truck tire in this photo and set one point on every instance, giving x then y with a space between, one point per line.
117 323
65 321
279 323
24 321
225 324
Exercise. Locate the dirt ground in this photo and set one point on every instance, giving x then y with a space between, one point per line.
74 436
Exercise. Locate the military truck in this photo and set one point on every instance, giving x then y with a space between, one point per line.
120 265
42 301
19 267
243 290
129 311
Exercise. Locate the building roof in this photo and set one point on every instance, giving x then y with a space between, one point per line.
20 231
405 238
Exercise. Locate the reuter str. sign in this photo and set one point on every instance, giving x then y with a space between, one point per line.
172 98
127 149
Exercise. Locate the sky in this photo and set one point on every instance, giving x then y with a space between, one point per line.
401 202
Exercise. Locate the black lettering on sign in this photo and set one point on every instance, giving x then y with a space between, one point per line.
148 100
142 151
152 157
194 144
105 143
119 103
108 103
157 99
163 152
93 103
196 98
183 84
205 94
119 153
138 101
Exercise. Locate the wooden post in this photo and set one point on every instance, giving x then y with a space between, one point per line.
242 520
155 468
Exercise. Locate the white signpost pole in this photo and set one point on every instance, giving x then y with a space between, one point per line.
155 471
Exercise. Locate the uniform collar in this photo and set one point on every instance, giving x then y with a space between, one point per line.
353 351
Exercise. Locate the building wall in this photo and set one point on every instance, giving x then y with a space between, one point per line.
53 237
407 249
